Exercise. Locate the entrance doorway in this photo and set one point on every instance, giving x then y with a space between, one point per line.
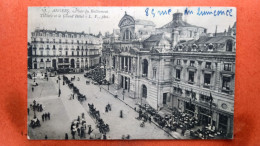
164 98
113 79
72 63
144 91
54 64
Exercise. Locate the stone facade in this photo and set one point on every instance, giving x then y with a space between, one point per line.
62 49
176 66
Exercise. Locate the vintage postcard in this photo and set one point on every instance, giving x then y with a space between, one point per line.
131 72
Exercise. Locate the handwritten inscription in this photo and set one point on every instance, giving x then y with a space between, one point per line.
153 12
74 13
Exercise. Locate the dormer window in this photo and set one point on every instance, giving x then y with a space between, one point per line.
210 47
194 47
229 45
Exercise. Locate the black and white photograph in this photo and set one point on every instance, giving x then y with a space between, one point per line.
114 73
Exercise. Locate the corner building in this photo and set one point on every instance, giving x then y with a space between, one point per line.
64 50
178 65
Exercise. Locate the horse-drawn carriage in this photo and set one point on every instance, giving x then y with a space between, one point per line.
81 97
103 128
93 112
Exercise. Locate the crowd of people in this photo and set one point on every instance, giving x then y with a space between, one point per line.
178 120
46 116
79 127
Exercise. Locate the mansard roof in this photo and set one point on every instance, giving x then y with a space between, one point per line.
157 38
208 40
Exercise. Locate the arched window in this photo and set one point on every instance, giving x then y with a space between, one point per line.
229 45
127 35
145 68
144 91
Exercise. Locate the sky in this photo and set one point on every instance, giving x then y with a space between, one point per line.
103 19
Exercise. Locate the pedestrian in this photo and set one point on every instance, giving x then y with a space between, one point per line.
46 137
43 117
100 89
73 134
41 108
66 136
106 109
47 78
83 115
104 136
150 119
49 116
32 89
89 129
28 110
78 129
73 96
59 92
121 113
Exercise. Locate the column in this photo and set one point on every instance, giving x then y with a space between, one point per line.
128 64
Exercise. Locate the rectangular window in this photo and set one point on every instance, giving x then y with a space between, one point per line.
208 65
60 53
154 73
66 60
191 76
227 66
114 61
226 83
207 79
66 53
178 62
72 53
41 53
60 60
192 63
178 74
47 52
54 52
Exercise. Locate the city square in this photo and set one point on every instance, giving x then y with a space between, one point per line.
141 79
64 110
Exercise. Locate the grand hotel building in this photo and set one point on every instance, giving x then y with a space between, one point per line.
178 65
63 49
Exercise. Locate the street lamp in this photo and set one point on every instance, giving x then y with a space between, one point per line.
123 94
59 86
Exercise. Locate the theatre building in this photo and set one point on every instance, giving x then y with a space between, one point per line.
178 65
64 50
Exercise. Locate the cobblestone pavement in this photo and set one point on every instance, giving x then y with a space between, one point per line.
64 111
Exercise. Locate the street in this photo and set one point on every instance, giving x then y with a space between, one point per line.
63 111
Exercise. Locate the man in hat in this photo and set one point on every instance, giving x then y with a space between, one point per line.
43 117
66 136
49 116
89 129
